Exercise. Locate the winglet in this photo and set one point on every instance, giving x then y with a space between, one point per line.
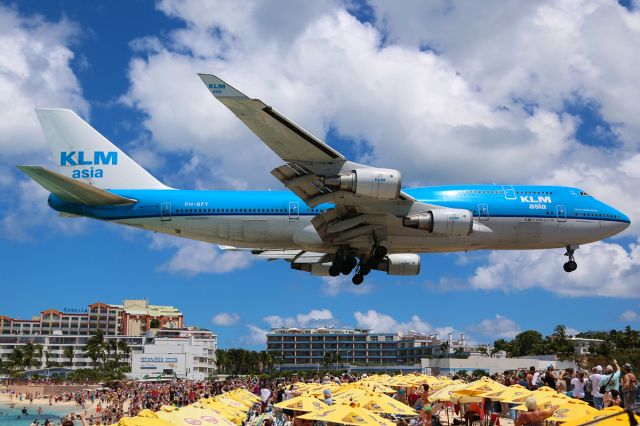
219 88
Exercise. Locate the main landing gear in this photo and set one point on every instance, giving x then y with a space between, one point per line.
377 254
571 265
345 262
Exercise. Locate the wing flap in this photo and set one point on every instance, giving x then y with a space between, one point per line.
71 190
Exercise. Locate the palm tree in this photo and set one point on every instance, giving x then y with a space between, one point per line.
95 347
444 348
16 358
31 355
560 333
263 359
221 359
124 349
68 353
113 346
631 337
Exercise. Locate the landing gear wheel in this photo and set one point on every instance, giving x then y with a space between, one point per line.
348 265
364 270
570 266
334 270
357 279
380 252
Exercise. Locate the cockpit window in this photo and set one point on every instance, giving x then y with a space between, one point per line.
584 194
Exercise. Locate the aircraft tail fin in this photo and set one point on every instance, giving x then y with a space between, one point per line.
72 190
84 154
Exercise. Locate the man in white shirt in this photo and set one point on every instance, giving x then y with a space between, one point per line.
598 398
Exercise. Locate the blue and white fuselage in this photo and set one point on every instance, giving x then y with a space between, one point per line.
505 217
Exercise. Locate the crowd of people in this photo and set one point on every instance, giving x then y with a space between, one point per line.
601 387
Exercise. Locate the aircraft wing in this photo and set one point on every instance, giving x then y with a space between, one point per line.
313 170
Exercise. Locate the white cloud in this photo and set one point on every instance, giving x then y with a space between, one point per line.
225 319
628 316
334 286
499 328
314 318
195 257
604 269
571 331
256 336
383 323
35 71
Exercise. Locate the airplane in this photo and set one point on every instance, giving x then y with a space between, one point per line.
337 216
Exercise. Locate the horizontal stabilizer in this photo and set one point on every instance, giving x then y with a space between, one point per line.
72 190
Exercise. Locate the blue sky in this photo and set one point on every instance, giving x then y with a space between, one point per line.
549 98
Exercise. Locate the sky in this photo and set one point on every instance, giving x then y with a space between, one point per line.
446 91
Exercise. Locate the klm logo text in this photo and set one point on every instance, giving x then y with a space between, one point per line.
532 199
81 158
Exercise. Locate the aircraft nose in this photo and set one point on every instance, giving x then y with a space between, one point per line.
622 222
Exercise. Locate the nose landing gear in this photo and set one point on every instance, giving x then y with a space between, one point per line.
571 264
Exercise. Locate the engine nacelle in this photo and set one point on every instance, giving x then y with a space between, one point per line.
451 222
381 184
400 264
321 269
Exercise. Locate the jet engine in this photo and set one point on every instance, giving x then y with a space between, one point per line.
400 264
450 222
321 269
381 184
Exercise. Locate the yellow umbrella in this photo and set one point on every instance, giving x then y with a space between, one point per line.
546 400
318 389
374 386
233 403
304 403
377 402
620 420
511 394
193 416
482 386
226 411
446 392
246 398
142 421
572 409
147 413
347 415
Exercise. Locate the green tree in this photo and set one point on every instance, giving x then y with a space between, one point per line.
528 342
68 354
125 350
16 359
95 348
31 355
220 360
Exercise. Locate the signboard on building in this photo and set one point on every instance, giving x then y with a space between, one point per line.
159 364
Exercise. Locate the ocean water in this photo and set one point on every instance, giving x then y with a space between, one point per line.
14 416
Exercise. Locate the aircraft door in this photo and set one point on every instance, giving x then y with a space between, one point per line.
165 211
562 213
509 192
483 212
294 210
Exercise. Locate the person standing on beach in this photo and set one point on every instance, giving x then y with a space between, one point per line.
629 388
598 398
